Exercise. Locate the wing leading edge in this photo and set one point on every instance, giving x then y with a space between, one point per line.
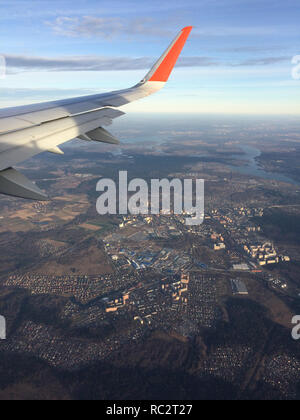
29 130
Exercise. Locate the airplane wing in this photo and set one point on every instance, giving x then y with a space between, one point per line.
28 130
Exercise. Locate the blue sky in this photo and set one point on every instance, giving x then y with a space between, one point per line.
238 59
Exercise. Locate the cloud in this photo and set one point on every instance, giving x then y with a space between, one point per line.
253 49
197 62
264 61
221 31
20 63
110 27
106 27
18 93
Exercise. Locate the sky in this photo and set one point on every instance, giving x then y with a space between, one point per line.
238 59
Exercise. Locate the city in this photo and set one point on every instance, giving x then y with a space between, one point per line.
145 306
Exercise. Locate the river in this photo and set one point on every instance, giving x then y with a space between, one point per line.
252 168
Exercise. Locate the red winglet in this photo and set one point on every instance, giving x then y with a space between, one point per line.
164 70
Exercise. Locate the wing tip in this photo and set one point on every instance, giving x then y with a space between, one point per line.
187 28
163 71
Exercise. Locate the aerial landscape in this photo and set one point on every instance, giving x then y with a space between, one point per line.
211 304
146 307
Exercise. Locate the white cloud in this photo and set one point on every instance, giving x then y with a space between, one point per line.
106 27
21 63
17 63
